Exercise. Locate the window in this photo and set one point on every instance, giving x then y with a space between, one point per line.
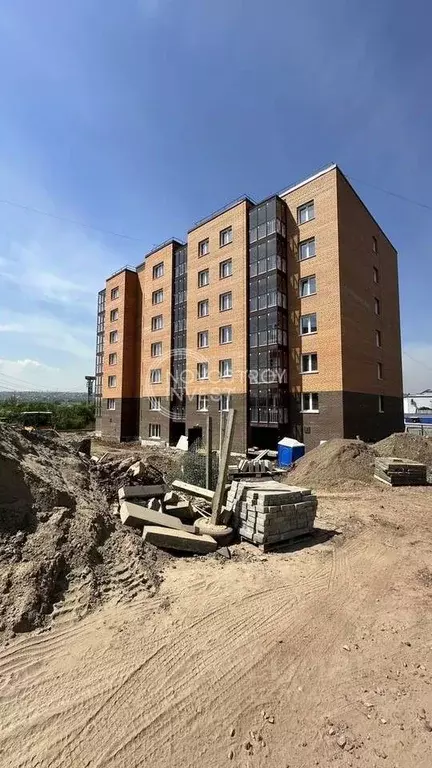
378 338
203 278
203 308
114 315
310 402
202 402
377 306
381 403
155 403
309 363
202 370
225 369
375 275
112 358
308 324
307 249
307 286
157 296
110 404
225 301
115 293
225 268
306 212
225 236
156 349
154 430
157 323
113 337
203 247
224 402
379 370
112 381
374 244
203 339
158 270
225 334
156 375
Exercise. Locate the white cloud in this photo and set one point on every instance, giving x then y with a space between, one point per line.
51 332
417 367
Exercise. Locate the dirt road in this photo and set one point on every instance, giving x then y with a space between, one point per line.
313 657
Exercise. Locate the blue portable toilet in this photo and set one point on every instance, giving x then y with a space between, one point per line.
289 451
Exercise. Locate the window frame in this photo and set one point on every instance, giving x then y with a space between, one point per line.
377 306
155 294
205 271
201 303
156 317
153 379
221 297
308 356
381 407
206 241
304 243
223 328
202 346
222 232
310 395
111 407
222 364
375 273
156 345
112 381
378 338
304 207
199 377
222 264
380 376
308 315
114 315
115 293
198 400
155 399
156 428
157 267
303 281
114 355
223 395
113 337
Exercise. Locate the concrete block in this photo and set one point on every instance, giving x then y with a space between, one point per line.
171 497
179 540
141 491
137 469
137 516
305 506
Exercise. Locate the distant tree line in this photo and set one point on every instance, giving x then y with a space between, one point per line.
64 415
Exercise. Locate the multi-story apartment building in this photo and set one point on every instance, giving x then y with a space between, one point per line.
286 310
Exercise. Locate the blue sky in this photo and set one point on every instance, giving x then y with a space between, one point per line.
143 116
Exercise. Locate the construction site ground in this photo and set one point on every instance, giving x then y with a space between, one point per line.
319 655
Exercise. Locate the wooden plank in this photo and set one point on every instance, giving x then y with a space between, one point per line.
223 468
193 490
209 438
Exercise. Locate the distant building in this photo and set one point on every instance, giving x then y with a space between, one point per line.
418 407
286 310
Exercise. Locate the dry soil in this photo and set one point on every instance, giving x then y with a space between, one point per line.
317 656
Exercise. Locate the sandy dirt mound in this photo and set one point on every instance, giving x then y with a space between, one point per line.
320 656
337 464
406 446
62 549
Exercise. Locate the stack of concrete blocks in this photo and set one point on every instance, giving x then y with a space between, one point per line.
269 513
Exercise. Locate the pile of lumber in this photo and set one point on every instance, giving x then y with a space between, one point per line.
394 471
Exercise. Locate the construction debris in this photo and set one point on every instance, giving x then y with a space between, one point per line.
193 490
396 472
180 540
223 534
269 513
138 516
141 491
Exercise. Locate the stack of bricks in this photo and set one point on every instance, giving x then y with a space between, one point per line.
268 513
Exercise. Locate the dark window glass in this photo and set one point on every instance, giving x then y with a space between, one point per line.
262 231
253 218
262 217
253 253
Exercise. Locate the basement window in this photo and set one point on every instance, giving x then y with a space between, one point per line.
309 402
155 430
111 404
381 403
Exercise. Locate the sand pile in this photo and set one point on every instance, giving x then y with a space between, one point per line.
406 446
336 465
62 549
